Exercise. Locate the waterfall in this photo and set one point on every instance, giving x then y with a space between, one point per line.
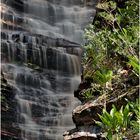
41 55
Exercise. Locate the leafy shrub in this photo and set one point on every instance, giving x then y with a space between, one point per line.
111 54
112 45
133 61
88 94
116 123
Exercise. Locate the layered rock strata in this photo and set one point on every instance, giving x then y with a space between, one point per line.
41 53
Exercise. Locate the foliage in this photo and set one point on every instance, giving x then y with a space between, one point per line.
135 64
92 92
88 94
135 107
111 56
118 122
112 42
103 75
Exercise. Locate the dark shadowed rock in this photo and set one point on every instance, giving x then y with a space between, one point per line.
41 36
9 129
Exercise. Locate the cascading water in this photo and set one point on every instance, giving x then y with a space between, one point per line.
41 60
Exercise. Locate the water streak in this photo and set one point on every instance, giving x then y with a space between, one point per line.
41 56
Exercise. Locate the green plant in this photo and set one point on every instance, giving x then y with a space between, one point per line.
103 75
135 108
114 31
134 62
93 92
111 55
87 94
111 49
118 122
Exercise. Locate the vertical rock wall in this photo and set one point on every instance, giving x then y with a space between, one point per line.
41 54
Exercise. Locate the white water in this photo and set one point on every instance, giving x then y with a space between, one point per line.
44 75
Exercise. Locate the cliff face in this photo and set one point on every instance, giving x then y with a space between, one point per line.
41 54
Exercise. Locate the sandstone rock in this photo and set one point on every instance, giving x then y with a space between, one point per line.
83 133
81 136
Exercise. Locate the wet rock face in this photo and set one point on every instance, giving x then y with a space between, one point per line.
57 19
8 111
41 54
37 50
